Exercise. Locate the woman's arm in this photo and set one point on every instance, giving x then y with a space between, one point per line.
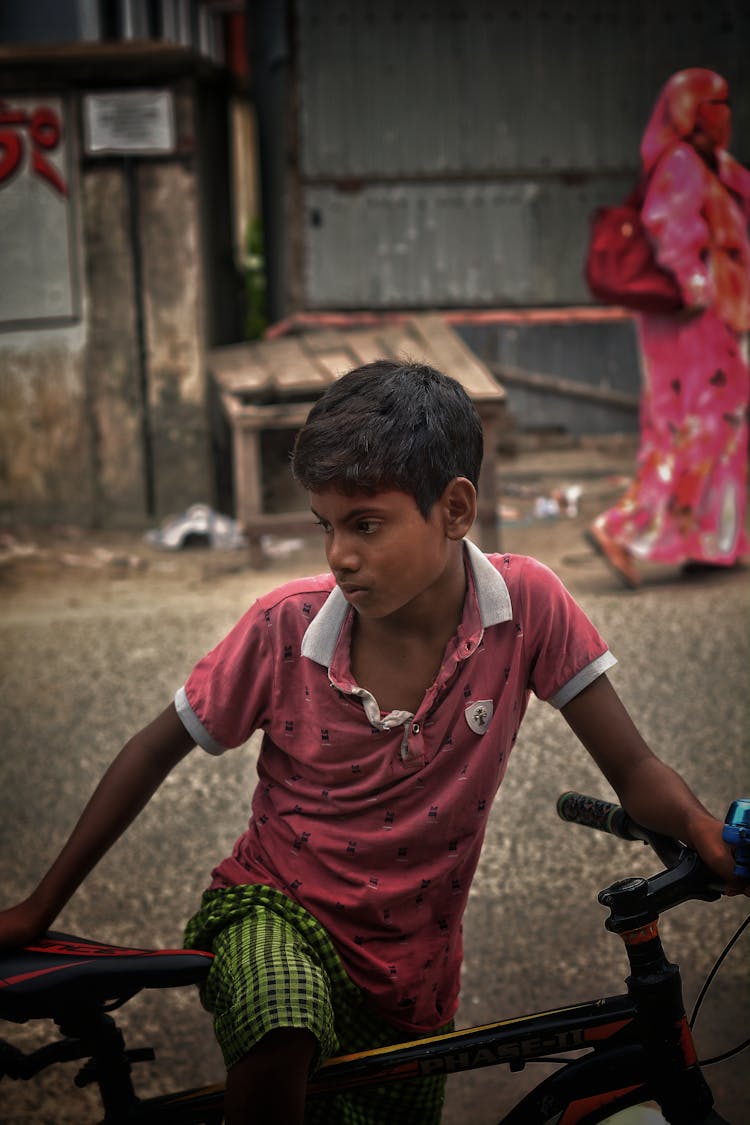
126 787
651 791
672 214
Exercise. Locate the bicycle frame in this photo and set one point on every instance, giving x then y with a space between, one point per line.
513 1042
640 1048
637 1047
610 1078
629 1048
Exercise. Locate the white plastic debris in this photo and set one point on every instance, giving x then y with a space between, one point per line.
546 508
199 524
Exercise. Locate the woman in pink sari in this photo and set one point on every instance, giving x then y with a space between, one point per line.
687 502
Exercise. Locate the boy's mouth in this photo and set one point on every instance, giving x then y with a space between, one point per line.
351 589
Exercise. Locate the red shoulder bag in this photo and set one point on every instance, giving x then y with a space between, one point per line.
620 265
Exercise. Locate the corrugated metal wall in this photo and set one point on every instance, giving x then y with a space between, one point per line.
601 358
451 151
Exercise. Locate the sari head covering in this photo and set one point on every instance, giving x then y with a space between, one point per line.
697 209
684 102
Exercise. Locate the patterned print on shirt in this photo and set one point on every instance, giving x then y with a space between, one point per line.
299 842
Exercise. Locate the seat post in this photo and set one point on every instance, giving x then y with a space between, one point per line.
108 1063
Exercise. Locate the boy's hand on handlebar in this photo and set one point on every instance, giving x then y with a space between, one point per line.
707 841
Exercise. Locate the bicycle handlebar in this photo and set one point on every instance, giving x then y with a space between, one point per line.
686 876
607 817
592 812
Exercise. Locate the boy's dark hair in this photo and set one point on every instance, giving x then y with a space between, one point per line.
390 425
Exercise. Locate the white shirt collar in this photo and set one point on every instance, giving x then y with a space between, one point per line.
493 598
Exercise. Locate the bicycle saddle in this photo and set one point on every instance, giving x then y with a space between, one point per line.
60 971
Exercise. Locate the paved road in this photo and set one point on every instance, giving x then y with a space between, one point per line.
94 647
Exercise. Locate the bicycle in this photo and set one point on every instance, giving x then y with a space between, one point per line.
629 1050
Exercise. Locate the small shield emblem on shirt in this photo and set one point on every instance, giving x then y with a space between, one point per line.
478 715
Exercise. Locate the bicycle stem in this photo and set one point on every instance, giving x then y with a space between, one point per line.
636 902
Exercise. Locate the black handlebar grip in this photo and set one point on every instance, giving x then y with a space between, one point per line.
595 813
606 817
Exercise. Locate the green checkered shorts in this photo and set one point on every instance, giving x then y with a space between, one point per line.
275 966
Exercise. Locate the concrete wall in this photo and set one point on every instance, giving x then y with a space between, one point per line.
104 422
174 333
45 441
113 397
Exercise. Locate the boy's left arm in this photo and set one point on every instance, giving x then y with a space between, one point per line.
648 789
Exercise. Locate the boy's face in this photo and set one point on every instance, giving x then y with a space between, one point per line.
384 554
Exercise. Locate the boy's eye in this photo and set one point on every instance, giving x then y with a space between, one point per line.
364 527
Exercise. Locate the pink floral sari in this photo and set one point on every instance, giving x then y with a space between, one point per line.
688 499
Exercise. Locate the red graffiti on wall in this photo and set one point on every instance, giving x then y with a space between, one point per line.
44 131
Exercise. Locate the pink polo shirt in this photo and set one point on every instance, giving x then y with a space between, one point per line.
372 822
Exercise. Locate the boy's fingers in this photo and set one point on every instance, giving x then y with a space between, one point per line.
736 886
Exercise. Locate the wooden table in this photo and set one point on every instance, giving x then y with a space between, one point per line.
271 385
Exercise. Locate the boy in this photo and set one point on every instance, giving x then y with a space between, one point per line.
389 694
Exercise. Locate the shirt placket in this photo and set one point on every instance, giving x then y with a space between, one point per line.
408 751
412 749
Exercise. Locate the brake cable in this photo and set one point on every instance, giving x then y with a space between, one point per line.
707 984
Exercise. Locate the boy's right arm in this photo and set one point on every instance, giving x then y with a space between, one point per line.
135 774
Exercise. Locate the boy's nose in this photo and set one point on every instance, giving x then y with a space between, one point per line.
341 553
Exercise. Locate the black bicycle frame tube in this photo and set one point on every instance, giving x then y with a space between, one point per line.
511 1041
617 1071
579 1027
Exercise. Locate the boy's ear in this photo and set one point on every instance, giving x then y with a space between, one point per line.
459 506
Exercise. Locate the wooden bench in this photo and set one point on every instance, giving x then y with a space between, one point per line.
271 385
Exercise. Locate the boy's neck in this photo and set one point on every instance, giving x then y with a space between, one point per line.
398 657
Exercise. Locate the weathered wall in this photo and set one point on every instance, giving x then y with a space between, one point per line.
173 306
45 449
105 422
113 400
578 377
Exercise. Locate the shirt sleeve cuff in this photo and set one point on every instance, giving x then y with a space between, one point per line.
194 726
582 680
